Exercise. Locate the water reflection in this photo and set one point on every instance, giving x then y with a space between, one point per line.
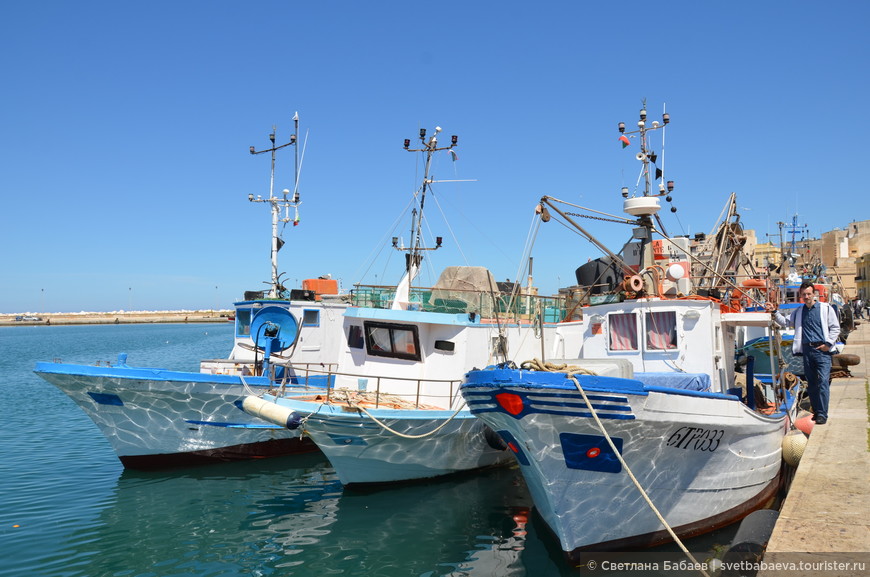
292 517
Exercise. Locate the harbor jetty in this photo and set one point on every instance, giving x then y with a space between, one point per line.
824 520
116 317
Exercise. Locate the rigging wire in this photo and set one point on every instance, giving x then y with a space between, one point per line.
381 245
446 222
528 247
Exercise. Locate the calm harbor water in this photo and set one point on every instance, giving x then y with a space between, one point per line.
68 508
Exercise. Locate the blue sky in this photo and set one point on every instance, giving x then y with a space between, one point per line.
124 163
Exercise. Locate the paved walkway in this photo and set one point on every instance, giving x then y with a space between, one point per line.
827 510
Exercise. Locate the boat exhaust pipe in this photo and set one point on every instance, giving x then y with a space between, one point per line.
271 412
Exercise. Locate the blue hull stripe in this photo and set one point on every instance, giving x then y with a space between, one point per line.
234 425
485 401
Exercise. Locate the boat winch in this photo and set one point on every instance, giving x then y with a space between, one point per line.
273 329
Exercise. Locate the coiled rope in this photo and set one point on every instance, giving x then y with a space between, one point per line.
570 371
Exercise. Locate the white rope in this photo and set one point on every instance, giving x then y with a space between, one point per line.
248 389
304 419
403 435
569 372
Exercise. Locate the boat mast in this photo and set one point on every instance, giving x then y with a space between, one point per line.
414 251
277 203
646 206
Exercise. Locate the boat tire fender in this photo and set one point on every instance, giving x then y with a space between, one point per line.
493 439
847 360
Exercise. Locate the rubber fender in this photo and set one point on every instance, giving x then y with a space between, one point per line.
750 540
793 445
493 439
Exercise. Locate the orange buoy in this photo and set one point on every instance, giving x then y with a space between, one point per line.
805 423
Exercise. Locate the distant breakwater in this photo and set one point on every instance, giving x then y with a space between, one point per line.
116 317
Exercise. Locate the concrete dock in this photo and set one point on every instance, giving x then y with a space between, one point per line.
825 519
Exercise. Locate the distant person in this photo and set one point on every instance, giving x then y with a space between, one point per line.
816 329
859 308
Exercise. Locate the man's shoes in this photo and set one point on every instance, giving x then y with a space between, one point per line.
820 420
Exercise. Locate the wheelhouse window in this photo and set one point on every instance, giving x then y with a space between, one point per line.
243 322
661 331
392 340
622 330
355 337
310 318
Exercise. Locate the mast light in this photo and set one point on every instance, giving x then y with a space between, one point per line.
438 241
666 117
407 142
621 128
670 186
624 192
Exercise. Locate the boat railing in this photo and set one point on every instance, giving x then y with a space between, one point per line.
377 390
509 305
309 375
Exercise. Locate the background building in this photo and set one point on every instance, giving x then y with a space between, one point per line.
843 252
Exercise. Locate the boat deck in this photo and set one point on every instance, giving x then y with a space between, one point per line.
826 515
349 399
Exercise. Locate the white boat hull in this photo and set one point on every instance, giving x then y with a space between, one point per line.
430 443
704 459
154 418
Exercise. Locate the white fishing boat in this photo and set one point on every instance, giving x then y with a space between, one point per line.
394 413
647 435
157 418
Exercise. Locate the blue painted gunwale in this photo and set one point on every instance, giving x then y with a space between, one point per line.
144 373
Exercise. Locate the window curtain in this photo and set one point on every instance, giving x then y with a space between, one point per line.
623 332
661 330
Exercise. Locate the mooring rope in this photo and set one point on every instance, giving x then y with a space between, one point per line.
248 388
386 427
572 370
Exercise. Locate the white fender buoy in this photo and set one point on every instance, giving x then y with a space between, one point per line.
271 412
793 445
